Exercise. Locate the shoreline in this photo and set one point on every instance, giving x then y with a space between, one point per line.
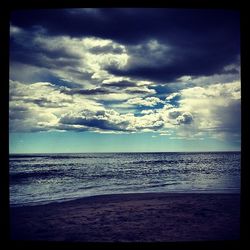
131 217
109 195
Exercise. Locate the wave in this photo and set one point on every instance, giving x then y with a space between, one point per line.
38 174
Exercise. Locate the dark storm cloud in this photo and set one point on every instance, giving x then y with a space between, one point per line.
201 42
130 26
199 59
99 120
138 91
96 91
124 25
116 87
121 84
28 52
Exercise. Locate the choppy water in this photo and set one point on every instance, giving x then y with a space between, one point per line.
43 178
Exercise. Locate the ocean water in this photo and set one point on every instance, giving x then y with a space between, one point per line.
44 178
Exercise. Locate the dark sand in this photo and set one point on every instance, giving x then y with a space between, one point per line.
131 218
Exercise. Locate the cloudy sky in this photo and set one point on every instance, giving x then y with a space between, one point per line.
103 80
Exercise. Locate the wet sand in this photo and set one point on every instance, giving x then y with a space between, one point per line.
147 217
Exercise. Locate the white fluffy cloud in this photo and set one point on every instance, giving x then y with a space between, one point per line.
40 105
111 120
214 110
44 106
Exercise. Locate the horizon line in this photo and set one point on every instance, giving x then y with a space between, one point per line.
126 152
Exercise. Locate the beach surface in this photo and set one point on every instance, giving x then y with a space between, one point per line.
141 217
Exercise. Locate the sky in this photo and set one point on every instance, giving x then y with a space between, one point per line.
124 80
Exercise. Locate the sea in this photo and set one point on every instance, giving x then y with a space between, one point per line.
36 179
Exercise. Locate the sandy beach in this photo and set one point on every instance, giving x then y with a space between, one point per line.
147 217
